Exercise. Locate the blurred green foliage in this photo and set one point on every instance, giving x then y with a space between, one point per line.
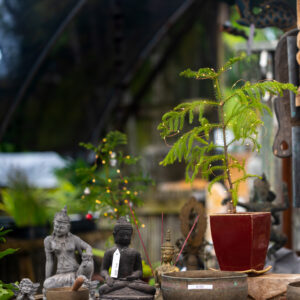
6 289
27 205
114 182
69 187
3 240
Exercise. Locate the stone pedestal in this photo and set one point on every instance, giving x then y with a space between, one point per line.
270 286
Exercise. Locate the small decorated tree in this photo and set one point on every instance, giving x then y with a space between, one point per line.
243 118
112 184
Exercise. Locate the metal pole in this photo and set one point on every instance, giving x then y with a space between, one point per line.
38 64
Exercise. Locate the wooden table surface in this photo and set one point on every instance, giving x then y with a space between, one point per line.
270 286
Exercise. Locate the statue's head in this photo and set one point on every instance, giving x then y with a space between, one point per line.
61 223
167 249
122 232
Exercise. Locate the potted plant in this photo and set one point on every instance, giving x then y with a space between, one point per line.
240 239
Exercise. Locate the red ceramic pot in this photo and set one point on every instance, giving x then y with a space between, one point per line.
241 240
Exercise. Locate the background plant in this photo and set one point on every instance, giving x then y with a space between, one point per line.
195 146
114 180
6 289
26 204
69 189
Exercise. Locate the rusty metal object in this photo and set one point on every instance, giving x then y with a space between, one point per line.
288 114
282 146
293 72
208 285
293 291
192 253
295 115
189 212
66 293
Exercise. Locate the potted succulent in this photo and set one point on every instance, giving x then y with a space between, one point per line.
240 239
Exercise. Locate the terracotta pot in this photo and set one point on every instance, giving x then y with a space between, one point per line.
208 285
65 293
241 240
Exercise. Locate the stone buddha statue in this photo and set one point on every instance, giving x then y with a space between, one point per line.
124 282
167 255
62 246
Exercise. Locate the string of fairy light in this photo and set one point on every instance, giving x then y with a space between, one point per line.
108 188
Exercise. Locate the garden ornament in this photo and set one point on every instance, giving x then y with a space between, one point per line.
126 268
92 286
27 289
267 13
277 13
193 252
263 200
167 255
63 246
287 140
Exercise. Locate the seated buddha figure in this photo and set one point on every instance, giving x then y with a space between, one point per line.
126 267
167 255
62 247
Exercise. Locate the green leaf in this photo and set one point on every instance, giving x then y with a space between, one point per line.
98 252
88 146
216 179
7 290
203 73
7 252
4 232
228 65
191 116
190 144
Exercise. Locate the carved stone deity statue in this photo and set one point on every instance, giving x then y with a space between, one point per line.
264 200
124 282
167 255
27 289
62 246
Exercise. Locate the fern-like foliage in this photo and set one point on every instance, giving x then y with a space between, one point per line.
194 146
